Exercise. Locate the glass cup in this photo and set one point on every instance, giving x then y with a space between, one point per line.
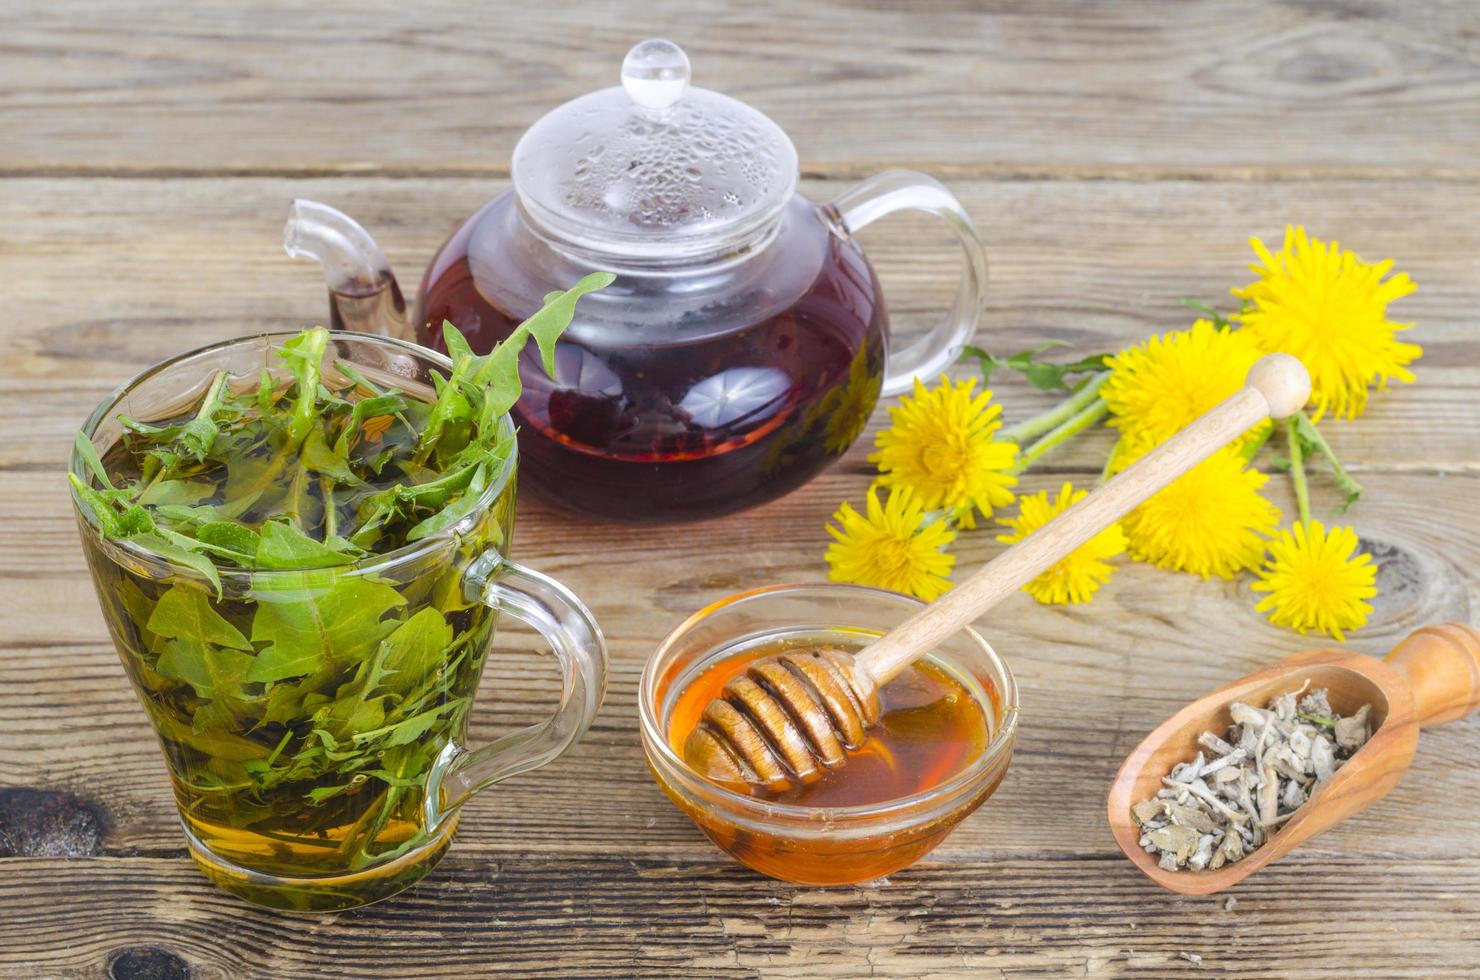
340 787
820 845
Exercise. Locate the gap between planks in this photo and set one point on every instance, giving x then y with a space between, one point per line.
1046 173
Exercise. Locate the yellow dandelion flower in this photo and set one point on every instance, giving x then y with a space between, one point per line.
1075 578
1329 308
894 547
1210 521
939 445
1155 389
847 408
1316 580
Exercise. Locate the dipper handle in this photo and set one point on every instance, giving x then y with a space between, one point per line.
1277 386
1442 664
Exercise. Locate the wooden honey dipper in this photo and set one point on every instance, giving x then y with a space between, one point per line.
795 715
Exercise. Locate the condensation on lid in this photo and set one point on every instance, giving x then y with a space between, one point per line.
654 167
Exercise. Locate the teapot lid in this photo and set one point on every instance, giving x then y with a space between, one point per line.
653 169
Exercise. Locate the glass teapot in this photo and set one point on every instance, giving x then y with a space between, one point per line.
745 341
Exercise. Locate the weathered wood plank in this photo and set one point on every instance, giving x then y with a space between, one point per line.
104 277
967 86
615 916
1093 679
1213 121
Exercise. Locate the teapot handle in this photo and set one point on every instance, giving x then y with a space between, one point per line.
908 190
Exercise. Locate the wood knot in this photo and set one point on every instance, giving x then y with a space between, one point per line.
1415 585
1333 61
49 823
147 963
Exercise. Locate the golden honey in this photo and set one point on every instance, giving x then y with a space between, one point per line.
920 772
930 728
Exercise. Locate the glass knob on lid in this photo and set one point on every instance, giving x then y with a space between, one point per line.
654 171
655 74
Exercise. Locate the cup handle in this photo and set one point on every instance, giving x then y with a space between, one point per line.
909 190
567 625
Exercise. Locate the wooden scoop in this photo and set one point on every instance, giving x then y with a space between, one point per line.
795 716
1431 678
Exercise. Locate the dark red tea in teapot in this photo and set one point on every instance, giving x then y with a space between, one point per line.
745 341
657 422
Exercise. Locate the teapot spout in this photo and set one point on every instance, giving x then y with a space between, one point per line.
363 294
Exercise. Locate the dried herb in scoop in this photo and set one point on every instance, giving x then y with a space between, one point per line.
1229 800
302 703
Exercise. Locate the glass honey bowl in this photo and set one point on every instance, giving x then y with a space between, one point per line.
835 839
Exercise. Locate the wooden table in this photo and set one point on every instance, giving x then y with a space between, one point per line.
1116 157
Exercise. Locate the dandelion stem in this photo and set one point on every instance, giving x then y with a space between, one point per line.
1064 410
1115 452
1081 420
331 510
1297 469
1308 431
1252 447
